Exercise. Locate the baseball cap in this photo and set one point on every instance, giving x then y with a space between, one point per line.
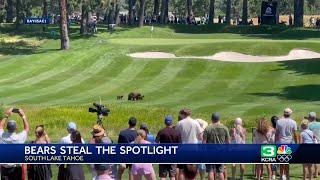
312 114
215 116
11 125
168 120
72 126
288 111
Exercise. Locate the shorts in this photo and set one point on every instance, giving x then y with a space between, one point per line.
142 169
201 168
181 166
164 169
218 168
274 167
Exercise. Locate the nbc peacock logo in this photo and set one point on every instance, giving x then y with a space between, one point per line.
284 153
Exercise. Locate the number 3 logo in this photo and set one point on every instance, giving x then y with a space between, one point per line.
268 151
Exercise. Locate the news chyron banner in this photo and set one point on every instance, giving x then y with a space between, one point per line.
158 153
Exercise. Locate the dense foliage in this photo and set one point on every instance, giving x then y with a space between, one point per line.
9 10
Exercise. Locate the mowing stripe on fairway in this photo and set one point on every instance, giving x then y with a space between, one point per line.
61 65
127 75
76 79
54 79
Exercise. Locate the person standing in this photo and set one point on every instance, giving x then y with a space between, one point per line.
314 126
201 167
264 134
238 136
286 129
306 137
190 132
75 171
63 169
70 128
290 20
274 167
139 170
102 171
168 135
216 133
13 171
40 171
150 136
127 136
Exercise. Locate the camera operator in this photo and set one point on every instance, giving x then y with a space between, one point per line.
13 171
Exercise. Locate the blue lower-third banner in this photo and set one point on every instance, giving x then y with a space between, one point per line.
158 153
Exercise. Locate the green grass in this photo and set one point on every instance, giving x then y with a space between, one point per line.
55 87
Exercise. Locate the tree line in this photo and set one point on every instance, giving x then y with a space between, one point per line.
16 10
138 10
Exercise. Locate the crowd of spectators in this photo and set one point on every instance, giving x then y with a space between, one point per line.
277 130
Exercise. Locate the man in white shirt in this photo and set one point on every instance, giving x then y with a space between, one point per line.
190 131
70 128
13 171
286 133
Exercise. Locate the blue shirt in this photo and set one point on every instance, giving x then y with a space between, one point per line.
315 128
151 138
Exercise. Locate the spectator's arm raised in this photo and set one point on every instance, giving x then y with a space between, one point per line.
24 119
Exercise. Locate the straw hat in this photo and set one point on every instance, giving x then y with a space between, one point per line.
97 131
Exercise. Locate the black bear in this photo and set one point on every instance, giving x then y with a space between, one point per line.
133 96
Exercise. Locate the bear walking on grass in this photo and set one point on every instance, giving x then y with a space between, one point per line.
133 96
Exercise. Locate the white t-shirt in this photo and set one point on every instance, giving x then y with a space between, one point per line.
284 130
189 130
13 138
67 140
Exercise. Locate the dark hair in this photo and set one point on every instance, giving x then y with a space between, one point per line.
274 120
39 130
145 128
185 112
286 115
132 122
76 137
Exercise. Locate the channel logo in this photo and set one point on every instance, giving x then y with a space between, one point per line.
268 153
272 154
284 153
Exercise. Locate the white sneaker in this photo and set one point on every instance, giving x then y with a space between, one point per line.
284 177
273 177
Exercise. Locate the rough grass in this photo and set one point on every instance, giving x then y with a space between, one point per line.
55 87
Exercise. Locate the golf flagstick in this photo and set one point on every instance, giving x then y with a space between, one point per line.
151 31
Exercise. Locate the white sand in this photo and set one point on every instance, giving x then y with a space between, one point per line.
295 54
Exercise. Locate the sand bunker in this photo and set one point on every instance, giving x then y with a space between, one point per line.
295 54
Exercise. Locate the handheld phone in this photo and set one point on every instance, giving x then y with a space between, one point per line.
15 110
